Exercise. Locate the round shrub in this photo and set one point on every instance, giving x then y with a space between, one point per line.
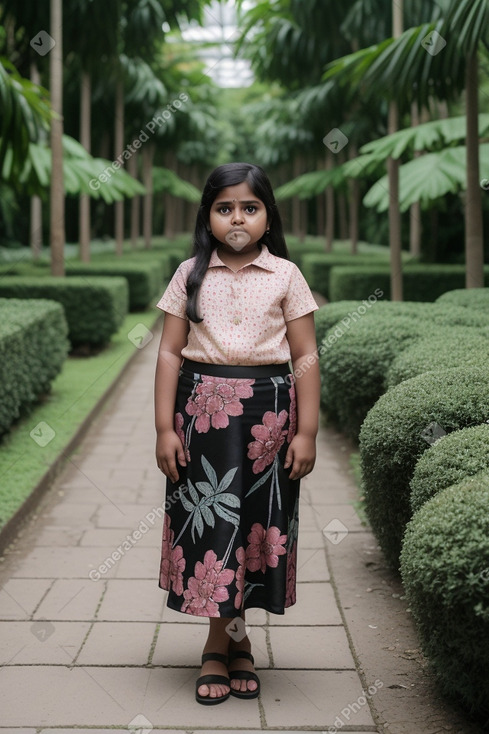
355 356
476 298
454 457
328 315
445 570
448 347
399 428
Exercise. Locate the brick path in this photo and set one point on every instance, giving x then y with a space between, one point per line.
102 654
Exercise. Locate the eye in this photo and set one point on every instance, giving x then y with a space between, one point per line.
250 209
224 210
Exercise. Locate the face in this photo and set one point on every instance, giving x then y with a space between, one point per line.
237 218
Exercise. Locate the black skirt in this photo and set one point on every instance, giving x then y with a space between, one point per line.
231 521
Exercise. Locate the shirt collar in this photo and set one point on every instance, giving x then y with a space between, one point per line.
264 260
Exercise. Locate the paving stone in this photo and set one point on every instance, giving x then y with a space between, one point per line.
311 647
70 514
74 562
111 697
112 496
298 698
344 513
129 515
143 563
315 604
113 537
132 600
118 643
18 599
71 599
59 536
311 565
310 539
41 642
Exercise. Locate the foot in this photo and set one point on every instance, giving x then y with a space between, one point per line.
213 690
242 664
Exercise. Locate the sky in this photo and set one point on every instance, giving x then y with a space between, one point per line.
220 25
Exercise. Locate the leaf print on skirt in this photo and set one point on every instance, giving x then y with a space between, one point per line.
269 438
208 587
217 398
265 546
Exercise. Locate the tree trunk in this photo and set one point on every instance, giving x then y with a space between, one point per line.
415 209
132 169
354 192
85 140
393 173
148 155
474 241
57 202
330 212
119 146
35 238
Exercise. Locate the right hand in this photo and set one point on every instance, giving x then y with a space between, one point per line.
169 446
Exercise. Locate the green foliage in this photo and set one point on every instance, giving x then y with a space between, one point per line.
451 459
33 347
316 268
145 278
400 428
94 307
447 347
421 282
477 298
328 315
445 570
356 354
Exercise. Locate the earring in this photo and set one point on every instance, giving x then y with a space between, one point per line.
267 231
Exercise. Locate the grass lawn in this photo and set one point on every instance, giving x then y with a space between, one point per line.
25 458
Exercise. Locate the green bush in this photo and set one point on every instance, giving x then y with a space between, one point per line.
328 315
145 278
316 268
454 457
400 428
33 347
355 358
94 309
449 347
477 298
420 282
445 570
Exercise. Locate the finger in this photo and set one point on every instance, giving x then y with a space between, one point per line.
289 457
181 457
171 470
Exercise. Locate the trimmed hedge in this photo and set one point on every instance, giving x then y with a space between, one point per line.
145 278
421 282
445 570
94 309
33 347
356 358
329 315
454 457
477 298
398 430
449 347
316 268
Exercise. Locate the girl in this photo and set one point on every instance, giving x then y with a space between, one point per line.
235 431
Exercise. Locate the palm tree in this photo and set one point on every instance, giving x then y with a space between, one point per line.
57 201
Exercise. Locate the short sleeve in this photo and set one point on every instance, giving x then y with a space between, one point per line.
174 299
299 300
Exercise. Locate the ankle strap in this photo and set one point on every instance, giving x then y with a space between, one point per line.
241 654
214 656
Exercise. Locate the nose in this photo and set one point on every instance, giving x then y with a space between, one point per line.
237 217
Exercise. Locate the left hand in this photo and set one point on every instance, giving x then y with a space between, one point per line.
301 455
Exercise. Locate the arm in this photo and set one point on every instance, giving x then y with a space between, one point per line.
301 454
168 444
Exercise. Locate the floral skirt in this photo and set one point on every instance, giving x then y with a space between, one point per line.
231 521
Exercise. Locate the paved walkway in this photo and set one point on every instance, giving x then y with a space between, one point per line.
86 648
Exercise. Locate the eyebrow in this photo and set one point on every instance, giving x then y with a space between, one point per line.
253 201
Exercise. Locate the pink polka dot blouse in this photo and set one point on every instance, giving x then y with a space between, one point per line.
244 313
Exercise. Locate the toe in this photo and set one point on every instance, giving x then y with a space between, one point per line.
203 690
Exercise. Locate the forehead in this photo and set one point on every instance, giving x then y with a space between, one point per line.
240 192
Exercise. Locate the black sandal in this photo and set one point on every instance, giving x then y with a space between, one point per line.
243 675
211 678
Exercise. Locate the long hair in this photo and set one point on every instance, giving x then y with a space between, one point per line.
204 242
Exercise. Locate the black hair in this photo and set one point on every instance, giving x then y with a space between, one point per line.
204 243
